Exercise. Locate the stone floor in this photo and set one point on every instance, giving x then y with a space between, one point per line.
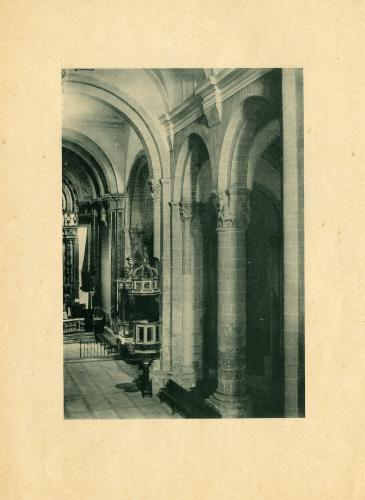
94 389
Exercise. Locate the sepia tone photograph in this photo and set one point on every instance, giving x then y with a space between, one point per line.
183 243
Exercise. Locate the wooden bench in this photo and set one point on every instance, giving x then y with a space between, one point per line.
186 402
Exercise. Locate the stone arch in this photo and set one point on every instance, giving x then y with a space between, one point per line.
82 178
69 195
254 114
139 161
198 236
197 159
262 140
153 142
139 208
183 155
234 128
95 158
140 156
153 74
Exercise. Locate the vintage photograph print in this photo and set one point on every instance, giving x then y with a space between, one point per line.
183 243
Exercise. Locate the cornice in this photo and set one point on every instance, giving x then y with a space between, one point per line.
115 200
232 81
184 114
208 98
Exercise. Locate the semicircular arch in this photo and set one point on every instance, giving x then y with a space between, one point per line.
154 143
95 158
82 181
253 118
262 140
183 154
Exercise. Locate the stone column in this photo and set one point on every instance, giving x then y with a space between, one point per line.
188 373
116 226
96 254
292 89
165 277
155 187
71 255
231 398
176 291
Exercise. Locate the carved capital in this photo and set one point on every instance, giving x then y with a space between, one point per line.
115 201
69 219
155 188
69 232
186 211
233 210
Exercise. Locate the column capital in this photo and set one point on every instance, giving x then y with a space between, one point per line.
115 201
233 209
69 232
69 219
86 207
155 187
186 211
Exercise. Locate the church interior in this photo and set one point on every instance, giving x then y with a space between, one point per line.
183 243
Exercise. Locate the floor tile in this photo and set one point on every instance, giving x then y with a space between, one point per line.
76 405
95 389
80 415
105 414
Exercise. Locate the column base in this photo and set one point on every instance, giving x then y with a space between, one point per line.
231 406
186 378
158 376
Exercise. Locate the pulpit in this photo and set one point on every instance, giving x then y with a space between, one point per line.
138 293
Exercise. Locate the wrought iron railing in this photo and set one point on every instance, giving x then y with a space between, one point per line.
73 325
92 349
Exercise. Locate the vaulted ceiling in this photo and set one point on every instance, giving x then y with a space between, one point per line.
97 126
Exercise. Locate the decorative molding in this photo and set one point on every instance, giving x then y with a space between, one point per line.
184 114
69 232
69 219
208 98
115 201
86 207
103 205
232 81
